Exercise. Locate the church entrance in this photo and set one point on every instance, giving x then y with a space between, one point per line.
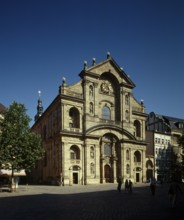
110 162
75 178
108 174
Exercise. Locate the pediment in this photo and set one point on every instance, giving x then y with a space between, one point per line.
110 67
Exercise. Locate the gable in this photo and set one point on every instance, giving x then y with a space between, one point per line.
105 67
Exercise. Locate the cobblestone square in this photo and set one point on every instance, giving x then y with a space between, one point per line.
88 202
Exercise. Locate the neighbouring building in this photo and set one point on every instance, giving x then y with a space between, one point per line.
94 130
159 159
162 136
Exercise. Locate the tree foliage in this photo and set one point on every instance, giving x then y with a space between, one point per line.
19 147
181 144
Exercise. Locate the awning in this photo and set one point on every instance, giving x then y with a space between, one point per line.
9 172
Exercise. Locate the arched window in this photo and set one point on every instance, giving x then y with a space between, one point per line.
137 128
126 100
106 113
74 153
107 149
149 164
74 118
92 154
128 169
92 168
91 108
127 155
91 91
127 115
137 156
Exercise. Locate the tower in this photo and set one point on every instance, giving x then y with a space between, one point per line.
39 107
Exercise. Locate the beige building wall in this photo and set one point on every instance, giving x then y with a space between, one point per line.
94 130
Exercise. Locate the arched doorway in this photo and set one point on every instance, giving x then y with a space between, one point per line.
110 158
138 166
107 173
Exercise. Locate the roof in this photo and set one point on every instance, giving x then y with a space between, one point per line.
120 71
172 121
2 108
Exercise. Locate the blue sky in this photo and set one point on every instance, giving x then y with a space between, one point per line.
42 41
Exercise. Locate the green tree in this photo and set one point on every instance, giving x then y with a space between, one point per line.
175 167
181 144
19 147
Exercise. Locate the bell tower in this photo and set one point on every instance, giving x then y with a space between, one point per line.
39 107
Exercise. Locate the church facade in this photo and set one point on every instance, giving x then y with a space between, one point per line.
94 130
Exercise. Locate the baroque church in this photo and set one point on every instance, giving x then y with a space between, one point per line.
94 130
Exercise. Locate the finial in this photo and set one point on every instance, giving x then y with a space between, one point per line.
85 64
142 102
94 61
39 93
108 55
63 81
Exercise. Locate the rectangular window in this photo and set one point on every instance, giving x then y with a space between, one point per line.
72 156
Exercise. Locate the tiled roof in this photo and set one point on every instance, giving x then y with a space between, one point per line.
173 121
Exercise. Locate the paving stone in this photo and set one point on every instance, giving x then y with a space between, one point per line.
91 202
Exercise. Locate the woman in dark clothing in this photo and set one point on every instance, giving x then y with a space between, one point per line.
119 180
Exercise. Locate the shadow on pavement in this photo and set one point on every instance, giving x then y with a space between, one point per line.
91 205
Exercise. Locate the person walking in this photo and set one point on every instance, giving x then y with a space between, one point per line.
153 186
119 180
61 180
126 185
130 186
174 191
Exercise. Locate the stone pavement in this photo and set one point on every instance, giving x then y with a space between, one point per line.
90 202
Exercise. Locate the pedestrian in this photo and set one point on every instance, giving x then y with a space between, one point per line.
61 180
130 186
173 192
119 180
126 185
153 186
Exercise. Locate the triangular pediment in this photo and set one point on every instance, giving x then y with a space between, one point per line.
108 66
